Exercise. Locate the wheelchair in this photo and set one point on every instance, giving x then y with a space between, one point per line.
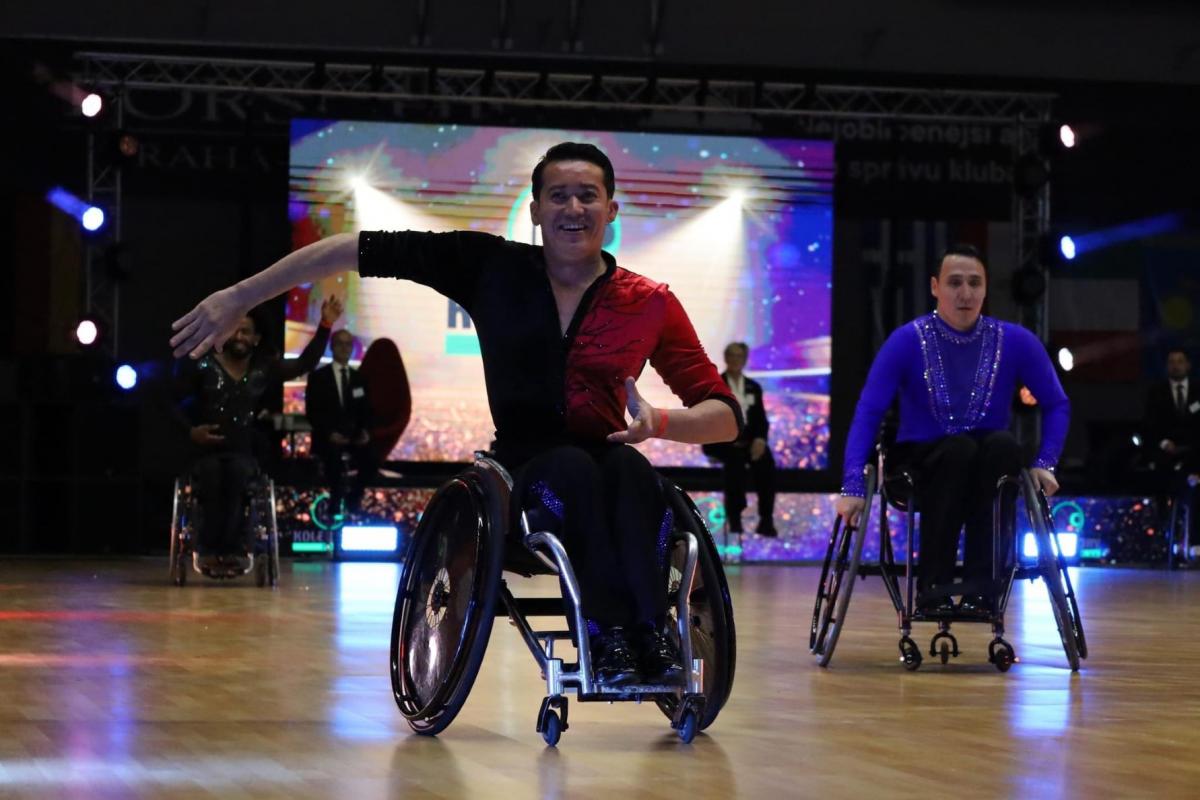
258 519
452 588
843 563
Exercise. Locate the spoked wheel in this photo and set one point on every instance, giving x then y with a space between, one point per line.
1068 591
177 567
712 631
1053 572
837 579
446 601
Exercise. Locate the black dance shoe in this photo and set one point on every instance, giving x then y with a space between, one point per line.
658 657
612 659
767 529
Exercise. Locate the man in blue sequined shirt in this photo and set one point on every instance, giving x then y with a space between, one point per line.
956 372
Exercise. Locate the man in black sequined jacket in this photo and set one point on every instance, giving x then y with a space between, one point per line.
218 399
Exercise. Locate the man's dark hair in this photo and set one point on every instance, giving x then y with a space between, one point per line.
575 151
959 249
745 348
1171 351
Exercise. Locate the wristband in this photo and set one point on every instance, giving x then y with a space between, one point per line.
662 424
324 324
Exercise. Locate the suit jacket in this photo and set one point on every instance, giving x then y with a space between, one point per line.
756 426
1163 420
325 411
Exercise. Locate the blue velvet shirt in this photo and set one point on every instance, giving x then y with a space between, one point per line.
955 382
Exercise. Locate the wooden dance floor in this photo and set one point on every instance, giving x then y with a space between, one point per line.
114 684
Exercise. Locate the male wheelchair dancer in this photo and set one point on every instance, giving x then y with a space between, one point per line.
218 399
955 372
563 333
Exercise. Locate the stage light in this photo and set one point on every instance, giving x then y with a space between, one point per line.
87 332
1066 359
359 182
1069 542
1066 135
738 197
1137 440
91 105
1066 246
126 377
369 539
92 218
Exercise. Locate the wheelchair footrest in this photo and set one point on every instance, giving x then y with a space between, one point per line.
631 692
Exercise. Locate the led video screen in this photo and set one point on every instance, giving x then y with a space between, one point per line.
740 229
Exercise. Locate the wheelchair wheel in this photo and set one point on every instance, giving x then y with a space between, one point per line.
712 629
1053 570
837 579
177 567
447 596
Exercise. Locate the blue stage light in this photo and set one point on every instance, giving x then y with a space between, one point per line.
92 218
126 377
1066 246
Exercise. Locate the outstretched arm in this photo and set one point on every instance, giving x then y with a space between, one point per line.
213 321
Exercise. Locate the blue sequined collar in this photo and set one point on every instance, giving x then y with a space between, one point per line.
931 331
954 335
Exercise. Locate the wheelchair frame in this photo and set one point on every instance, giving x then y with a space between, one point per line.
843 563
265 563
685 703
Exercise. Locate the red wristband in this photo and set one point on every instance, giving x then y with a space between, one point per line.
324 324
662 424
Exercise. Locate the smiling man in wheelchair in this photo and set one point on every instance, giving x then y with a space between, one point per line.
564 333
956 372
217 401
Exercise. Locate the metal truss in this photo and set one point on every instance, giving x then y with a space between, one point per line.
561 89
718 99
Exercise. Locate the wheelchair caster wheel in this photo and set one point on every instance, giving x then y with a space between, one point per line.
1002 655
688 726
944 652
551 729
910 654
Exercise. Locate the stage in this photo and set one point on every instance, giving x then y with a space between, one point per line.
115 684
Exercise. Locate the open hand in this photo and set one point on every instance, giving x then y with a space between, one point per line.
209 324
645 417
331 309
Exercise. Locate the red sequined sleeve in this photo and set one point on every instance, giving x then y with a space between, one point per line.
681 361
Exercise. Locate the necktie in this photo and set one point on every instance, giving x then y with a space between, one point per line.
345 387
1180 400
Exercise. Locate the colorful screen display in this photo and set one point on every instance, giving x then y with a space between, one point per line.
740 228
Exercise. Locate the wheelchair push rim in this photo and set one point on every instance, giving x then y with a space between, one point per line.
445 604
1053 570
842 561
712 626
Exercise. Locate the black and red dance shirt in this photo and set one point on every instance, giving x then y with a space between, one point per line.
545 388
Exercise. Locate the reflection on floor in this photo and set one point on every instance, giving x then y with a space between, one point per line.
114 684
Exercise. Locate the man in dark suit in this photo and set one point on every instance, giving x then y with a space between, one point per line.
1173 416
749 450
335 401
1173 439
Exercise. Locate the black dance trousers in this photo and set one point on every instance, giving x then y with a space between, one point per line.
956 480
736 460
607 507
221 480
362 459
